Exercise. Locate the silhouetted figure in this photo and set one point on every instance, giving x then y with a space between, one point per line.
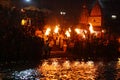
47 49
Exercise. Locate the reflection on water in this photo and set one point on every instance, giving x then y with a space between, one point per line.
26 75
64 69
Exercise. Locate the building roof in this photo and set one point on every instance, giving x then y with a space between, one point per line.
96 10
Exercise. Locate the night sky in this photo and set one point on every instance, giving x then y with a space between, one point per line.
108 6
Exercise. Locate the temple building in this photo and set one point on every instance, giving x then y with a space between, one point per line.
94 16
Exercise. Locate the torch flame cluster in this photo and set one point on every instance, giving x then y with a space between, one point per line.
47 31
56 29
80 32
67 33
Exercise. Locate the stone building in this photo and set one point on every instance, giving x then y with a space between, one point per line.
94 16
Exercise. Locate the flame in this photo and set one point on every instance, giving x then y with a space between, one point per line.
67 33
69 29
81 32
83 36
77 31
91 28
56 29
47 31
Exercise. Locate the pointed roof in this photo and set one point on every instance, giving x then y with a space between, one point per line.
96 10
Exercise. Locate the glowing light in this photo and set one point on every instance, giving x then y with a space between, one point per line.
69 29
38 33
118 63
22 10
68 70
47 31
67 33
23 22
28 0
66 65
83 36
56 29
113 16
90 63
118 59
103 31
77 31
81 32
119 39
62 13
85 31
91 28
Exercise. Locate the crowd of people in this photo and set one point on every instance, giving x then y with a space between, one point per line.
104 46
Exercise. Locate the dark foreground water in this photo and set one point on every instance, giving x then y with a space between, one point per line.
65 69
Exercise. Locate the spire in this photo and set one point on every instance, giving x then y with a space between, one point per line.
96 10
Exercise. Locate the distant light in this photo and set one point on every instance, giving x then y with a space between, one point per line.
28 0
23 22
62 13
22 10
103 31
113 16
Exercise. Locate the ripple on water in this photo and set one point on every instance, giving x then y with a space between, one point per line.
64 69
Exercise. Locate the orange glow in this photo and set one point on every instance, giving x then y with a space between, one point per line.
69 29
83 36
67 33
103 31
119 40
81 32
38 33
68 70
47 31
56 29
77 31
91 28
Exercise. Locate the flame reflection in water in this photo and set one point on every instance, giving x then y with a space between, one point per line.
64 69
58 69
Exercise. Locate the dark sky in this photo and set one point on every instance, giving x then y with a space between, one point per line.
70 4
73 6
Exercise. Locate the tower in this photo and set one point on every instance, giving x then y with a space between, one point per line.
95 17
84 15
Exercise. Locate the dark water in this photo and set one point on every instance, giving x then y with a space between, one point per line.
65 69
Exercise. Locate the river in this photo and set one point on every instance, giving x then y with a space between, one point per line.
65 69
